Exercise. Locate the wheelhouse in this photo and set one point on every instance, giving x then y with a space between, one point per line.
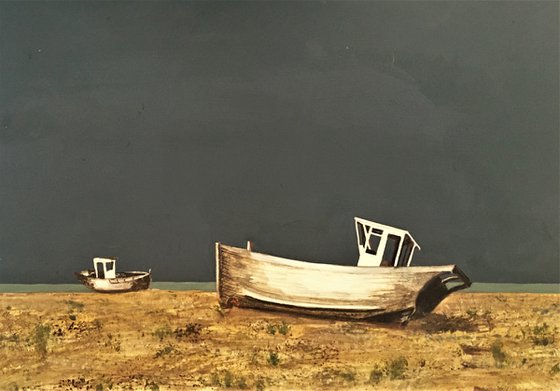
104 267
383 245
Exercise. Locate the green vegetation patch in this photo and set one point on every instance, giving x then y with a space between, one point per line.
162 332
41 334
337 376
394 369
273 359
498 354
543 334
166 350
75 305
280 328
228 379
191 331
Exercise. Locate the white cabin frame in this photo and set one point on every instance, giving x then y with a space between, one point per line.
107 265
373 238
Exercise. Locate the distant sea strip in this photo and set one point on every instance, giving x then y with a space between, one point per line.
211 286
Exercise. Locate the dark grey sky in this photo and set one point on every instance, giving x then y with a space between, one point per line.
149 130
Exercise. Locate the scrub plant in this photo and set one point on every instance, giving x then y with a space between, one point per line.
41 334
273 359
498 354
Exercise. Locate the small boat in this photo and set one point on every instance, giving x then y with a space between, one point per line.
383 286
104 277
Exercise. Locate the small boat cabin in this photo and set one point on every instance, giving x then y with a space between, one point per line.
382 245
104 267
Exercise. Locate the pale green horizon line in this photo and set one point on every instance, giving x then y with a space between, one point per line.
479 287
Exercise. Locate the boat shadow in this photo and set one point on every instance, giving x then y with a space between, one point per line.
442 323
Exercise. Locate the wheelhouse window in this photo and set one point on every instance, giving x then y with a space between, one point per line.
373 241
99 270
405 251
391 249
361 234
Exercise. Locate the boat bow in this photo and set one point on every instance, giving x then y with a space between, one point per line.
438 288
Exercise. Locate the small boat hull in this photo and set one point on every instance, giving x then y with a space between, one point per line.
254 280
124 282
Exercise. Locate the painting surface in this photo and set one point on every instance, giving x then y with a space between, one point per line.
150 131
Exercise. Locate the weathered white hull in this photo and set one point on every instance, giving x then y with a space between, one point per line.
249 279
128 281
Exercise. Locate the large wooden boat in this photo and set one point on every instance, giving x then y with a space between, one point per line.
383 286
104 277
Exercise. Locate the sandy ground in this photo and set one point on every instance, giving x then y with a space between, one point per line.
176 340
